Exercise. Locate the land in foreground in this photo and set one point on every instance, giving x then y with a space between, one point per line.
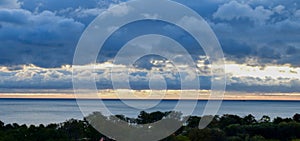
222 128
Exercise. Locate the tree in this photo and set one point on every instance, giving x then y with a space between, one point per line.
278 120
206 135
145 117
1 125
296 117
226 120
193 121
227 127
257 138
73 128
265 119
181 138
233 129
249 119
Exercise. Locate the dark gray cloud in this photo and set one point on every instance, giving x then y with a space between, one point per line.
57 5
81 10
45 33
232 47
245 29
43 39
118 39
259 31
292 50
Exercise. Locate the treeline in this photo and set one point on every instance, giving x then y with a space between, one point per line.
222 128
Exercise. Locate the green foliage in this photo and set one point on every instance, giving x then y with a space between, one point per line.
296 117
257 138
265 119
145 117
207 134
226 120
250 119
182 138
224 128
234 138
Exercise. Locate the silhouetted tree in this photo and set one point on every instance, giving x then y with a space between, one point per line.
224 128
265 119
206 135
296 117
249 119
226 120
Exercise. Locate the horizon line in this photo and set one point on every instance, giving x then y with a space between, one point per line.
226 98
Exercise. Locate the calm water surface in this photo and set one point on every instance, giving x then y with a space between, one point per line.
45 111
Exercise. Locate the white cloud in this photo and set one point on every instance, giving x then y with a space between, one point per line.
279 9
120 9
82 12
262 76
30 76
235 10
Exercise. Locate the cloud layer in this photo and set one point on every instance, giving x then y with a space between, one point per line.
239 77
43 39
38 37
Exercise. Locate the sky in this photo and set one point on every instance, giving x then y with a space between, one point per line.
260 40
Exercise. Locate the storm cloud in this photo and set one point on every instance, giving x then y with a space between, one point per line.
43 35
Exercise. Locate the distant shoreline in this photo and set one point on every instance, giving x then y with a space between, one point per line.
112 99
149 95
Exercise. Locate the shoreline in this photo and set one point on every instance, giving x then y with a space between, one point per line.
115 99
154 95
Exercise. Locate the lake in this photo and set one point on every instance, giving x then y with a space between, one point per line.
45 111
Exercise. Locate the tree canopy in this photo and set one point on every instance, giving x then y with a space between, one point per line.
222 128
